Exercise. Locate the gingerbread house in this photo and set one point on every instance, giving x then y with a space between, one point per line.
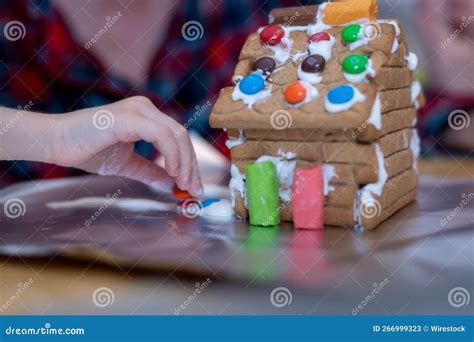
330 85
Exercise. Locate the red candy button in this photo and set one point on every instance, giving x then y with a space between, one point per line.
295 93
272 35
318 37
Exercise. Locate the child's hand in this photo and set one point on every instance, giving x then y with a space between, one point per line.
100 140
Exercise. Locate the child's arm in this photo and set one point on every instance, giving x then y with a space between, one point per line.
100 140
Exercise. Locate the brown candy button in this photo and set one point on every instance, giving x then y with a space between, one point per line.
313 64
265 64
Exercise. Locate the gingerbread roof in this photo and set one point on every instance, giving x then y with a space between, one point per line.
390 71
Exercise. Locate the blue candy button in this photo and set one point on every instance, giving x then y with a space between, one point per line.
341 94
251 84
209 202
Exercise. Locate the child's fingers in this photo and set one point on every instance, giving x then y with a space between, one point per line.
188 177
145 171
137 127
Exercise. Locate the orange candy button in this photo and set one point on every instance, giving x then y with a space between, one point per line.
295 93
180 194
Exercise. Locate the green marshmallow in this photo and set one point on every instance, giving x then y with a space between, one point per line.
262 194
350 33
355 64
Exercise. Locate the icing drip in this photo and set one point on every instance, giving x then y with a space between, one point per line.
395 46
285 170
366 194
335 108
415 148
328 173
359 78
412 61
323 48
415 92
249 100
376 114
237 185
231 143
286 155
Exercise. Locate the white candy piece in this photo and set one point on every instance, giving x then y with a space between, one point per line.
223 208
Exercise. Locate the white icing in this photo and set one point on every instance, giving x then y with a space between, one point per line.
311 94
236 79
223 208
412 61
249 100
366 34
394 24
323 48
286 155
359 78
299 55
285 170
129 204
415 92
334 108
395 45
231 143
366 194
310 77
415 148
328 173
237 185
282 51
375 117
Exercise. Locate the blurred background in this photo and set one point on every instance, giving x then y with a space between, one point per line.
58 56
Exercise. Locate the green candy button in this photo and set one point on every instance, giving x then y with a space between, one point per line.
350 33
355 64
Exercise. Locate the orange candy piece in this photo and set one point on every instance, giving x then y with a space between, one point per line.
295 93
346 11
181 194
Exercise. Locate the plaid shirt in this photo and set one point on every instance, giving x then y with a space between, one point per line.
58 74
